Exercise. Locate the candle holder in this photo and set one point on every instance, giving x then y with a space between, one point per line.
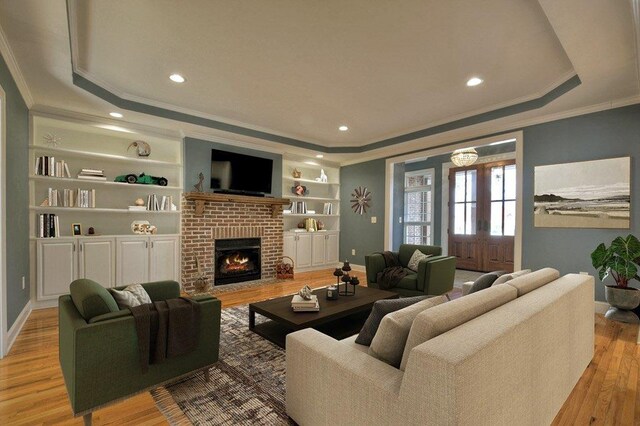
346 279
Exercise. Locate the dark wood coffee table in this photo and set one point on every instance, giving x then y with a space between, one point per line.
338 318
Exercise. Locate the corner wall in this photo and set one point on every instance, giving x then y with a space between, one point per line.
17 196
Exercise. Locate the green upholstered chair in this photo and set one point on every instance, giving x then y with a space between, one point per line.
435 275
99 346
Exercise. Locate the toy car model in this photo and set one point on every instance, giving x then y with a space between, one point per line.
142 179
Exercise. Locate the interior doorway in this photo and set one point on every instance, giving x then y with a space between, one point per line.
482 216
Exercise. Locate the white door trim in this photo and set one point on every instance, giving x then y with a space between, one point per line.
3 226
416 156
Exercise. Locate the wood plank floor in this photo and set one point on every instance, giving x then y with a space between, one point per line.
32 389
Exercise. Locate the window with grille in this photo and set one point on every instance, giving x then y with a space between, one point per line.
418 206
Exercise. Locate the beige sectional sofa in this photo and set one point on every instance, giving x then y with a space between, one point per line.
507 355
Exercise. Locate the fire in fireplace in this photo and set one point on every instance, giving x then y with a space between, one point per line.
237 260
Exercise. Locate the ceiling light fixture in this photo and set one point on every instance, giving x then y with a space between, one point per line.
343 128
464 157
177 78
311 163
319 156
115 114
474 81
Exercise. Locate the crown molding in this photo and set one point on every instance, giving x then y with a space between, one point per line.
14 69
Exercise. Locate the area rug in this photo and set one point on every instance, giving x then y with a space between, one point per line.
246 387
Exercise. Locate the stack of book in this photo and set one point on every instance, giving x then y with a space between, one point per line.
298 304
327 209
155 204
71 198
48 226
298 207
92 174
48 166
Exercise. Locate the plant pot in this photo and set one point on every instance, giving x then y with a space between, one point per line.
622 301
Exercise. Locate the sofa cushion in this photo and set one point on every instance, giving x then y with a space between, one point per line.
444 317
415 260
484 281
388 343
529 282
409 282
132 295
351 342
379 310
91 299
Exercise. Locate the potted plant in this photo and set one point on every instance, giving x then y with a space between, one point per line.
621 261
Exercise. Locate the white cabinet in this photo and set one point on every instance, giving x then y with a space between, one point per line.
311 249
164 263
303 250
97 260
143 259
57 267
133 260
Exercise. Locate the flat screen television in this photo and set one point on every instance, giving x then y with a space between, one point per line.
239 173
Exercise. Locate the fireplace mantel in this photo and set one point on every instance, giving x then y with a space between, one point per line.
201 197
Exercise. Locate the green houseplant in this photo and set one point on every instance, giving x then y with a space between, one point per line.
621 261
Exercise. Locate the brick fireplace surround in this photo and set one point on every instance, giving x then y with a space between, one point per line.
224 219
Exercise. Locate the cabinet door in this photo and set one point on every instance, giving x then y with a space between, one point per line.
132 265
318 249
97 260
57 267
303 250
164 259
289 246
333 248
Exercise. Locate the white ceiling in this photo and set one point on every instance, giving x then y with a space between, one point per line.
300 69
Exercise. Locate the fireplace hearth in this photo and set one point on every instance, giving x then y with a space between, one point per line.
237 260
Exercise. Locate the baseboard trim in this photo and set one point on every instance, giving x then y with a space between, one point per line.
359 268
16 328
44 304
601 307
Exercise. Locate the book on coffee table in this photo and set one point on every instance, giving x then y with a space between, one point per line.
298 304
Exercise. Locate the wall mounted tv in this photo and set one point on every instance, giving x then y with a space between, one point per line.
239 173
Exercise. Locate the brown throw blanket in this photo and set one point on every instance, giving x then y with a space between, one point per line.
166 329
390 276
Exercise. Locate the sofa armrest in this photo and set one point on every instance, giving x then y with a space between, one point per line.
329 382
436 275
374 263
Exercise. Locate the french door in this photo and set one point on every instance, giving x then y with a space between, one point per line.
482 213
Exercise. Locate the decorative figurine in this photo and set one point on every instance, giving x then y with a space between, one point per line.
142 148
305 292
297 174
323 176
91 231
298 189
198 186
139 202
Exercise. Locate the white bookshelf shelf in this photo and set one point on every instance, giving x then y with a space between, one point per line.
102 156
305 198
151 188
50 209
290 178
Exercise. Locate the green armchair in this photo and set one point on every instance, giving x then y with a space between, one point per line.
99 346
435 275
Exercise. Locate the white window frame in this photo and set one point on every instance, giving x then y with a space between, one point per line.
431 173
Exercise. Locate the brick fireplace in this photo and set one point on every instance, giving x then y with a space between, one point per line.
207 218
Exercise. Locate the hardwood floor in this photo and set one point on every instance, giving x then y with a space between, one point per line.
32 390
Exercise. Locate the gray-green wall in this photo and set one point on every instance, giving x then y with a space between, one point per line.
606 134
356 231
197 158
17 196
436 164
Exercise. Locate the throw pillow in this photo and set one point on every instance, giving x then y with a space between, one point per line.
379 310
91 299
390 339
485 281
416 257
508 277
132 295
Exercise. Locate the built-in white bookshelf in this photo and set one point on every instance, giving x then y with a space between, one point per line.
91 145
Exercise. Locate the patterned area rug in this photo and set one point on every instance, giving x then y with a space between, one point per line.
246 387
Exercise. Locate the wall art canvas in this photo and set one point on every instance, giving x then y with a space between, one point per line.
587 194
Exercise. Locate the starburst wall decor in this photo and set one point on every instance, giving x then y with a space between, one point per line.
361 197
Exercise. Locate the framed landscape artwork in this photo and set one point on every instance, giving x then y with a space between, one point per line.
587 194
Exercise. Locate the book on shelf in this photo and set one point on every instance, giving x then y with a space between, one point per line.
92 174
71 198
48 226
327 209
298 207
91 177
165 203
48 166
138 208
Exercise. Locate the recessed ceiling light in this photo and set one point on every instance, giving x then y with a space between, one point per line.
343 128
474 81
115 114
319 156
176 78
